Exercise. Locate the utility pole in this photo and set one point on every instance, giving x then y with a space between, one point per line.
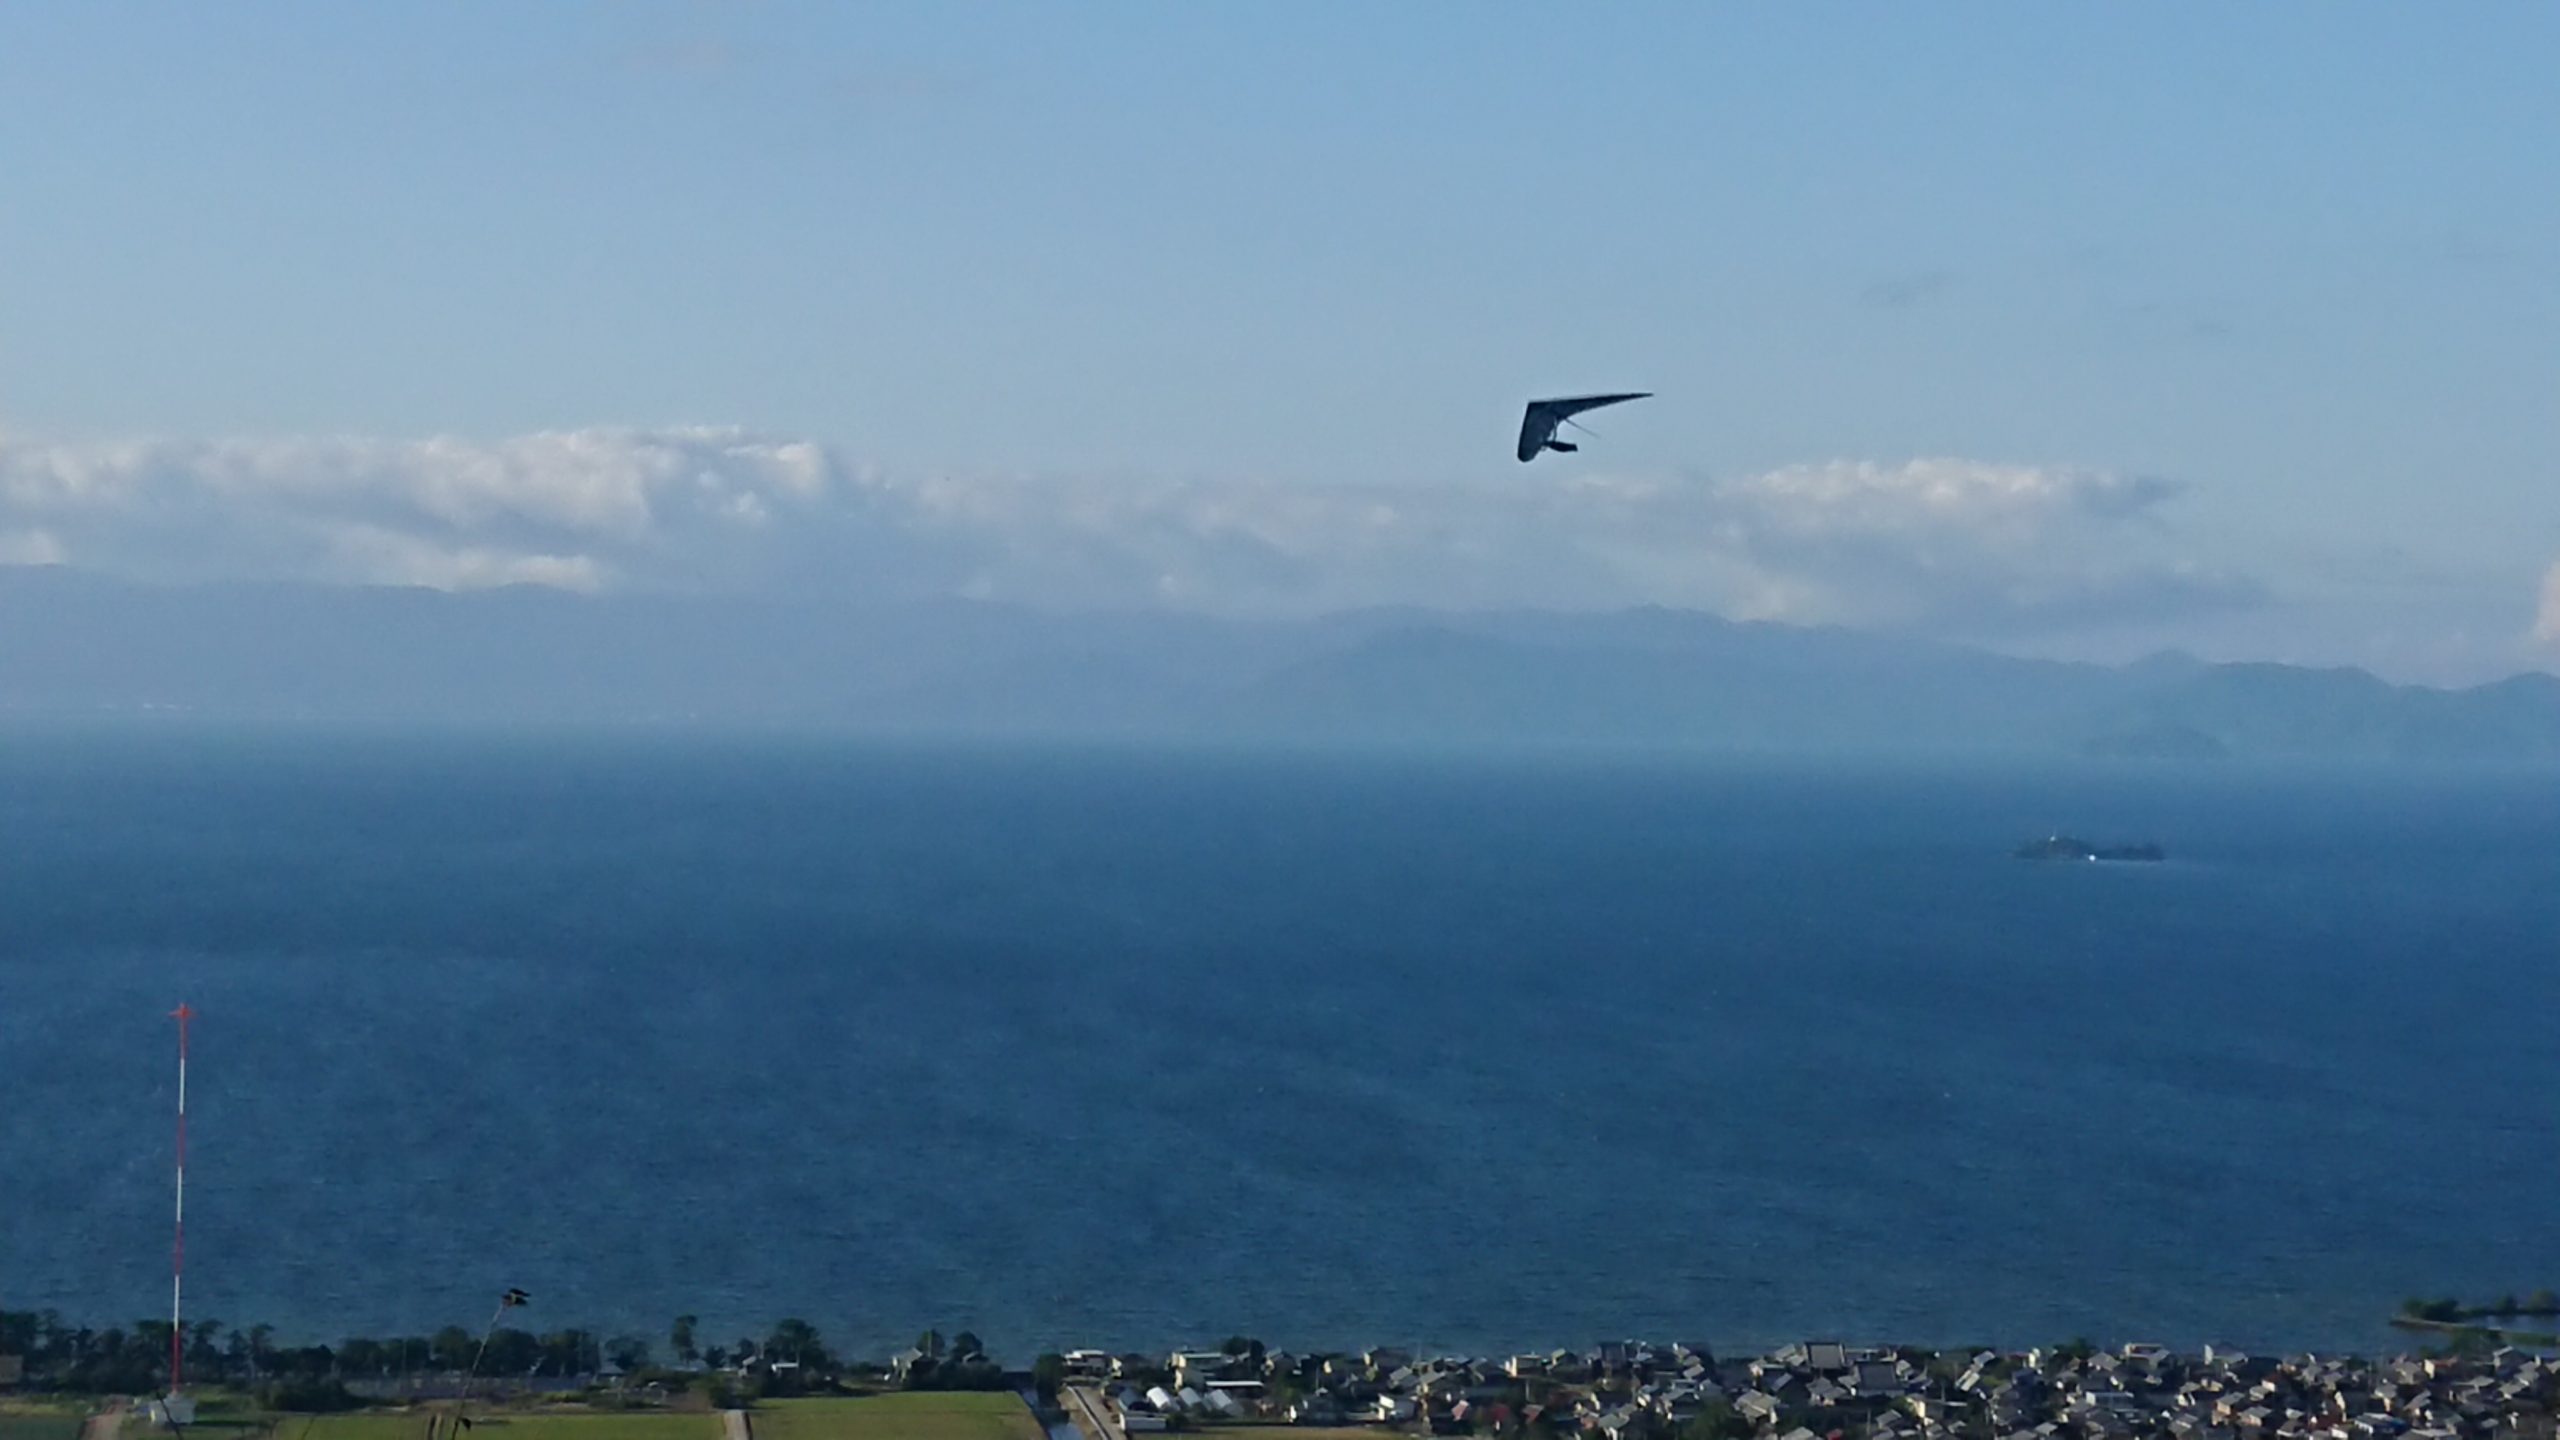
177 1410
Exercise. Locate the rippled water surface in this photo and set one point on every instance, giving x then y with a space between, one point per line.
1104 1046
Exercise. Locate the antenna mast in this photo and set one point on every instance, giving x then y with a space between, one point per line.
178 1232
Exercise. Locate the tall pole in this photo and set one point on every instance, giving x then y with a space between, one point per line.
178 1238
506 1302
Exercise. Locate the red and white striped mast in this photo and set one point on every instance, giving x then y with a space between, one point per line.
178 1236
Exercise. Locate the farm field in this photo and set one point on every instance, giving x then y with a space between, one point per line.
33 1425
909 1416
1298 1432
500 1425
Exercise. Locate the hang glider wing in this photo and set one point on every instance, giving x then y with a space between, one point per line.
1538 425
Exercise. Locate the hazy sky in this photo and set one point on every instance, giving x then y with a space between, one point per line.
2072 328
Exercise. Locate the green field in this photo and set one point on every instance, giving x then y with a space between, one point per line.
918 1415
499 1425
386 1426
21 1425
236 1422
1300 1432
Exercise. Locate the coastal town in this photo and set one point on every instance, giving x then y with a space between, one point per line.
2473 1387
1817 1390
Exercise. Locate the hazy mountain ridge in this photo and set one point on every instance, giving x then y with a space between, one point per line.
73 644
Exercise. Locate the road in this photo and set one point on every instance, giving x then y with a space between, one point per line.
1092 1416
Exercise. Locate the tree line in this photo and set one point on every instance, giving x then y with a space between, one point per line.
2448 1310
59 1355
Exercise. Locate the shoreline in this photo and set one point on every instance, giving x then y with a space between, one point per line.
1614 1390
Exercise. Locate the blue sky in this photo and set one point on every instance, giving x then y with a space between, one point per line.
2246 320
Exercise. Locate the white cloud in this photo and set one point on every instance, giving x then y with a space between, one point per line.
369 554
2546 621
564 508
2006 503
1945 543
1954 545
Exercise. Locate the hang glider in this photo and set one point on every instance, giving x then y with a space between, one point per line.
1538 426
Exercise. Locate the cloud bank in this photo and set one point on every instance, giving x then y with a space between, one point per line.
2546 623
1948 545
576 509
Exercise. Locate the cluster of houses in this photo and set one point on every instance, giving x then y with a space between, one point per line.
1830 1391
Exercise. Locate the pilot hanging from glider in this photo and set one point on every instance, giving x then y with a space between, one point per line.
1538 425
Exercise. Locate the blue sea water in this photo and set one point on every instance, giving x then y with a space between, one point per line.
1097 1046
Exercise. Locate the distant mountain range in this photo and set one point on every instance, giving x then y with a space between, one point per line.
73 644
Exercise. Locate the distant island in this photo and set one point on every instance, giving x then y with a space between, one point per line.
2071 847
93 647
